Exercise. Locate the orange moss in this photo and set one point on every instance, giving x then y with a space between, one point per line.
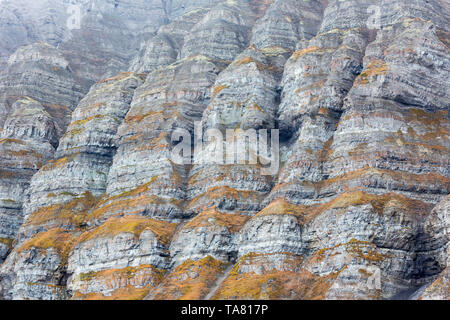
364 250
7 174
53 164
433 124
260 66
436 133
56 238
84 121
323 111
319 255
439 288
434 120
378 202
405 177
120 76
285 260
326 151
444 37
233 222
129 272
275 285
133 279
418 147
218 89
355 248
282 207
300 53
74 132
58 111
375 68
160 112
352 198
245 60
223 192
7 242
191 280
132 224
358 150
119 206
9 140
72 212
24 153
128 293
259 7
273 51
133 192
135 198
156 144
314 85
255 106
225 173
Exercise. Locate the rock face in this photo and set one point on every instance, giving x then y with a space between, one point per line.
24 22
38 92
28 141
93 206
39 71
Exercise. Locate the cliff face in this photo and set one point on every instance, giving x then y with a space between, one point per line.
92 205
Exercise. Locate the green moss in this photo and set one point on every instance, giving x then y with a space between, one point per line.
6 241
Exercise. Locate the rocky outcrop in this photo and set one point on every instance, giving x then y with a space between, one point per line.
83 156
94 206
39 71
27 142
439 289
37 93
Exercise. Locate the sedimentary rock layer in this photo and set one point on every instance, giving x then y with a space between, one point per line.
93 206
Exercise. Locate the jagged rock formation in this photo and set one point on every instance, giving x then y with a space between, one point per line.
92 206
38 92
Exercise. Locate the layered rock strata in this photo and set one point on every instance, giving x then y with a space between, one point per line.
358 209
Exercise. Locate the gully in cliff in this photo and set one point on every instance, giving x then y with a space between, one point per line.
239 147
